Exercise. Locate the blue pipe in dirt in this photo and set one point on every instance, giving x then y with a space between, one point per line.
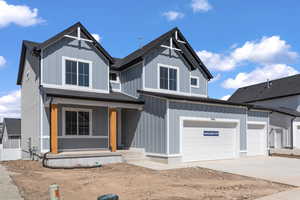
108 197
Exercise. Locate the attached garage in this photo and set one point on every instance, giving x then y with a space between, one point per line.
204 139
256 138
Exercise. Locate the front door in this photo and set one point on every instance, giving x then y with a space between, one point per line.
113 129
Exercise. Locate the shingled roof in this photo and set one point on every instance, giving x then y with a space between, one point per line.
187 51
13 126
121 63
283 87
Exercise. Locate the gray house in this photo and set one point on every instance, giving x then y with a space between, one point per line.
280 94
11 139
77 97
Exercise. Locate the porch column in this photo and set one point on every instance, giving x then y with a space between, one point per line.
113 129
53 128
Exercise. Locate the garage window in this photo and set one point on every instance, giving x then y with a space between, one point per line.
168 77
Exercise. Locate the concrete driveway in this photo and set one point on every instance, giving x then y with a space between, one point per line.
277 169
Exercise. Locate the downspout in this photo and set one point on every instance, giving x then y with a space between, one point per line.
292 132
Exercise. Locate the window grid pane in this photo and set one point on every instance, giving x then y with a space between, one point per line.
164 78
71 72
172 79
71 123
83 75
83 123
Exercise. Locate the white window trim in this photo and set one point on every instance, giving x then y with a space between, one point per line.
64 109
118 77
197 78
158 77
67 86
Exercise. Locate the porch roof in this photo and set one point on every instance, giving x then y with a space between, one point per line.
115 97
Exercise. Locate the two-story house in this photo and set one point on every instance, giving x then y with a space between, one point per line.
77 97
280 94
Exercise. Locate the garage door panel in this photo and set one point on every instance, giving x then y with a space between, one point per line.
256 139
196 146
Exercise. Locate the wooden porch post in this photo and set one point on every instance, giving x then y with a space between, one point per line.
54 128
113 129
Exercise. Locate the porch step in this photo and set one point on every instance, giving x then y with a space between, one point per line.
133 155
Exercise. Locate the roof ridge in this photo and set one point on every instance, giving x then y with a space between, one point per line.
277 79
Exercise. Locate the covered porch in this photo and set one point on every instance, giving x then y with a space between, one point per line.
86 124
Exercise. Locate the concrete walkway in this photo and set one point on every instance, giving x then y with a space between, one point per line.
276 169
8 190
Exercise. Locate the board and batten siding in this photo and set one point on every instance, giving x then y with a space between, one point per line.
30 104
114 86
9 143
147 128
131 79
172 58
184 109
259 116
66 47
99 128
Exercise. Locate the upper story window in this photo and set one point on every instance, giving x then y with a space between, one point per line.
194 81
114 77
168 77
77 72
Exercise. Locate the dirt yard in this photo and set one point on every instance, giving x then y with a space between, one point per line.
131 182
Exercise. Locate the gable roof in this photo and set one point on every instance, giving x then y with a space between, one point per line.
188 52
13 126
26 45
283 87
29 45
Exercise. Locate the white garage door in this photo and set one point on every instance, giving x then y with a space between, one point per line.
256 139
203 140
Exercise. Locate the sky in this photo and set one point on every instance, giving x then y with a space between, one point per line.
241 42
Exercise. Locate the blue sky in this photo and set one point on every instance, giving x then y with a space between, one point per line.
242 42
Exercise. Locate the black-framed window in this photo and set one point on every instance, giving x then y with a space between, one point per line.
194 81
77 73
113 77
77 123
168 78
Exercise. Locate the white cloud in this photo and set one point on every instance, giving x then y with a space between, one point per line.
226 97
201 5
216 61
21 15
97 37
173 15
2 61
10 104
268 50
216 78
259 75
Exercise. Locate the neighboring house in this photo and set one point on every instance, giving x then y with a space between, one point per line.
11 139
283 95
76 97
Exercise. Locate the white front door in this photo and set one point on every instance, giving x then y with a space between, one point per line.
208 140
256 139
